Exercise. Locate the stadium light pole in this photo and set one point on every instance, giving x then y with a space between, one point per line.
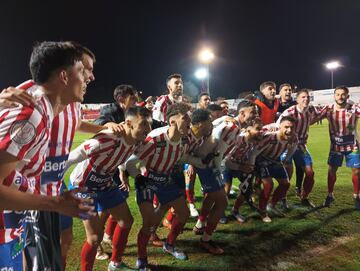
206 56
202 73
333 65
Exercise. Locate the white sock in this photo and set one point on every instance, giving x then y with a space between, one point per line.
199 224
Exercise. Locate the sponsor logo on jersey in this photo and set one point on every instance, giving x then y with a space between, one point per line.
53 169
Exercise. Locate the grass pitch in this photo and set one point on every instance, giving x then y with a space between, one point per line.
319 239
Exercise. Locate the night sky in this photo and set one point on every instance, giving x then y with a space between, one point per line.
142 42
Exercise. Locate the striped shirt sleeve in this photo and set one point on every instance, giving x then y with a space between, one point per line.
20 129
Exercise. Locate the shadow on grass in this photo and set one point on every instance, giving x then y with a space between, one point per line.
259 243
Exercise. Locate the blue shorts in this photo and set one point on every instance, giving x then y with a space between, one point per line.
268 169
166 189
66 222
352 159
11 256
178 176
302 158
105 200
210 179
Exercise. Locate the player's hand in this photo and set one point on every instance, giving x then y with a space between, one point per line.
190 171
11 97
230 119
71 205
251 132
124 186
118 129
124 181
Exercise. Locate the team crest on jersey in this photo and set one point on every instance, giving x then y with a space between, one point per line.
22 132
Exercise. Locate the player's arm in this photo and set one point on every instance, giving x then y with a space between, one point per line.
192 160
11 199
87 127
140 157
11 97
319 114
91 147
91 128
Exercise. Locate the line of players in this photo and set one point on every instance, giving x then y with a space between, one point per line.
246 146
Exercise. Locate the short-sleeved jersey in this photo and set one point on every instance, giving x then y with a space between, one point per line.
193 142
342 126
303 119
271 147
25 134
159 153
61 139
105 152
160 107
223 138
240 152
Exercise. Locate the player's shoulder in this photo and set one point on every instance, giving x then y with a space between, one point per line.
162 98
158 131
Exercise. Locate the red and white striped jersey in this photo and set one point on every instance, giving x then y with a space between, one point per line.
103 153
193 142
271 147
303 119
25 134
239 153
61 139
160 107
159 153
223 138
342 126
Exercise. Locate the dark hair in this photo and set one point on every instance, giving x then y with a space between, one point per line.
303 90
84 50
177 108
223 102
122 91
49 56
135 111
175 75
200 115
266 84
342 87
244 103
287 118
203 94
284 85
214 107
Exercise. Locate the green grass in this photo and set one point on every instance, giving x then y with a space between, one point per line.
321 239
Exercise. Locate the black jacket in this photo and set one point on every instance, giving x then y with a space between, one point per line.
110 113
